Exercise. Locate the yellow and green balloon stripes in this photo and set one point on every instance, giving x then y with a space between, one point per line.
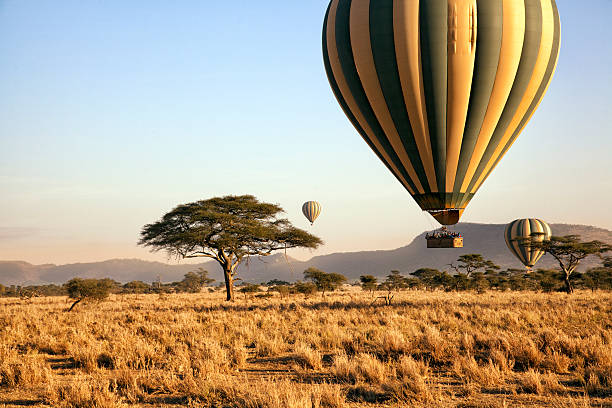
440 89
518 235
311 210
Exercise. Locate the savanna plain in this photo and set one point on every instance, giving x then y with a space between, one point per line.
492 349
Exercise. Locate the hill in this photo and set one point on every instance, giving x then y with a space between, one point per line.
486 239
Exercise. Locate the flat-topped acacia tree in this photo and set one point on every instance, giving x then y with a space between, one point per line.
568 251
226 229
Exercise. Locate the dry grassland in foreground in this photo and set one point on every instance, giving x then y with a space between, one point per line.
428 349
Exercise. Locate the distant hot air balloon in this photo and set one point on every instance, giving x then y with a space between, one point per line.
311 210
520 233
440 89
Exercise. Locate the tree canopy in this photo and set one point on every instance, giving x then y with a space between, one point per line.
325 282
94 289
194 281
226 229
368 282
468 264
569 250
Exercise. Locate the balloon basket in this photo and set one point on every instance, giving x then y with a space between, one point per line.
444 239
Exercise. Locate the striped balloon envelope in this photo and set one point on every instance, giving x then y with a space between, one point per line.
440 89
311 210
520 233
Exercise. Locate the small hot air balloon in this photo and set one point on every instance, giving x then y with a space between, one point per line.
440 89
311 210
520 233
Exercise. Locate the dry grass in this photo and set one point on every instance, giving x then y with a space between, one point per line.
428 349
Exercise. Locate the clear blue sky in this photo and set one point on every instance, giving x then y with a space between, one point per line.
113 112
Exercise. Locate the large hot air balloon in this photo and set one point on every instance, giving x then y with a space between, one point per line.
311 210
440 89
520 233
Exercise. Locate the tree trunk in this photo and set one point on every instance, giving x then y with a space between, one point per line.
229 283
74 304
568 284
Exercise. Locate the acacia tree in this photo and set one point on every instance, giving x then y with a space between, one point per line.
368 282
394 282
468 264
226 229
569 251
194 281
95 289
324 281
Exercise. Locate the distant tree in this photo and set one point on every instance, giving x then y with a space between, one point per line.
460 282
468 264
511 278
283 290
433 278
305 288
48 290
325 282
414 283
194 281
2 289
368 282
136 287
277 282
569 251
94 289
28 293
394 283
250 289
599 277
479 282
227 229
547 280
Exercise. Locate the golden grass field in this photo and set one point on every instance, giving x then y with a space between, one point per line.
427 349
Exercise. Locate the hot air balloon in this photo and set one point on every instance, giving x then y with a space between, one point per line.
520 233
311 210
440 89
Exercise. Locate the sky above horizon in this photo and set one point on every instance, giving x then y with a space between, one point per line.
112 113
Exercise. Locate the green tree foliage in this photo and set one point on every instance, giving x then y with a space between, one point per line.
468 264
277 282
325 282
250 289
480 282
305 288
92 289
433 279
394 282
33 290
136 287
569 251
283 290
599 277
226 229
194 281
368 283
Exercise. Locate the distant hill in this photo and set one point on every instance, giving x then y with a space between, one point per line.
486 239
